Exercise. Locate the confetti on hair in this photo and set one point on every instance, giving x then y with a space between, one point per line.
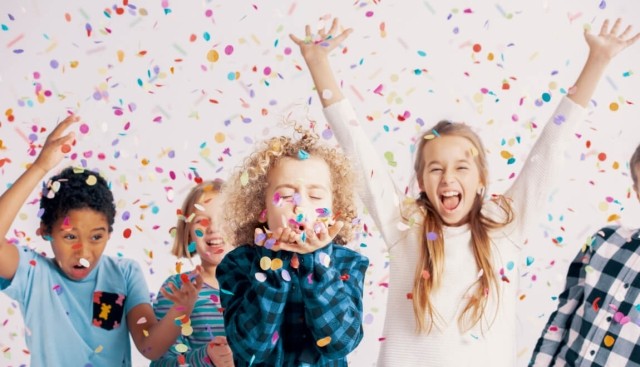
303 155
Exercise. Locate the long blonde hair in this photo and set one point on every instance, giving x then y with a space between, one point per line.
431 255
182 239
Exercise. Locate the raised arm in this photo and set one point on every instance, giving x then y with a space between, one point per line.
603 47
377 190
53 151
544 166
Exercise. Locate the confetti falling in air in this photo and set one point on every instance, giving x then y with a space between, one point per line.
227 76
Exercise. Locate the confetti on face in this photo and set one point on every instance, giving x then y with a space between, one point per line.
142 320
84 262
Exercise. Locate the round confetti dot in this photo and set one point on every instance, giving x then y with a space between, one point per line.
287 50
368 14
84 262
219 137
92 180
228 50
261 277
602 156
265 263
126 233
266 71
65 148
187 330
477 47
208 13
84 128
613 106
181 348
54 64
276 264
546 97
213 56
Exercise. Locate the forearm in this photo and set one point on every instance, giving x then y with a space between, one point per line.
13 199
163 334
588 79
327 86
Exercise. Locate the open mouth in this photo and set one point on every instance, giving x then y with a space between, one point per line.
450 199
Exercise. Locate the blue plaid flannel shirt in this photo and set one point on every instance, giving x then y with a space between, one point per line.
287 316
597 322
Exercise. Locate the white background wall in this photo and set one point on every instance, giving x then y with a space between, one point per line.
156 106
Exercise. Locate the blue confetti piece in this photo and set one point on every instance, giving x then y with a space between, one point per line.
192 247
303 155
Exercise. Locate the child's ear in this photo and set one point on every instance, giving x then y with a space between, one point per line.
42 231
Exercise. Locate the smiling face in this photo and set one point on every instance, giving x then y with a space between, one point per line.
450 177
295 189
78 239
205 230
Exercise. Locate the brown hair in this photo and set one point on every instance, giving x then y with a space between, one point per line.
432 250
183 227
246 190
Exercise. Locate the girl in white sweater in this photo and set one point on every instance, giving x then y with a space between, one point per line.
450 302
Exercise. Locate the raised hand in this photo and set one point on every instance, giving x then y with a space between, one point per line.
56 145
317 47
608 43
186 295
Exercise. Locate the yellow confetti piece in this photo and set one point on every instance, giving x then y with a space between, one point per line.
181 348
608 341
213 56
78 170
265 263
187 330
74 64
276 264
613 217
219 137
92 180
120 54
429 137
145 333
506 155
613 106
324 341
244 178
99 349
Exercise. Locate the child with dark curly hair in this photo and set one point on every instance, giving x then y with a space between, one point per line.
93 301
292 294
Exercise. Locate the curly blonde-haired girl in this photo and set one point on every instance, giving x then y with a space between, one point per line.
292 294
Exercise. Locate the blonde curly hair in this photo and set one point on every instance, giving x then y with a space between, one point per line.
245 192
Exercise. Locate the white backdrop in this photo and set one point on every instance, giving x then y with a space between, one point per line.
160 108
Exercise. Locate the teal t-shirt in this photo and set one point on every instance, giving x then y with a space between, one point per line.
77 323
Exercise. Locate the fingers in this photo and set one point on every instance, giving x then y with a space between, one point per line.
335 229
616 26
626 32
296 40
62 126
307 31
605 27
334 26
633 40
343 36
259 237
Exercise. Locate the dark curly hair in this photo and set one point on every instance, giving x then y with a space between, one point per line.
76 188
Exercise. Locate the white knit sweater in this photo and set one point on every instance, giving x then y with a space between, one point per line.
494 343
